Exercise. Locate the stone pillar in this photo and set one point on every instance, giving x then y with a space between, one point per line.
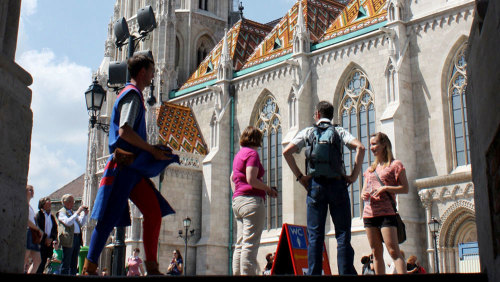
302 107
212 253
16 121
426 199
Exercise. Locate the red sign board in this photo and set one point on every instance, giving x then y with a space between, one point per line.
291 253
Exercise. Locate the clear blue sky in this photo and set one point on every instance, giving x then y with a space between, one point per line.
61 42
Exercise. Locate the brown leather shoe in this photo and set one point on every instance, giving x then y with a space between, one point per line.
89 268
152 268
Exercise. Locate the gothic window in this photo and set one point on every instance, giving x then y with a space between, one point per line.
204 46
202 53
269 122
456 95
357 115
292 109
177 51
203 5
391 84
392 12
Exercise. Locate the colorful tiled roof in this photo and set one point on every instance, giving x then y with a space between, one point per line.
179 130
358 14
319 15
252 44
243 38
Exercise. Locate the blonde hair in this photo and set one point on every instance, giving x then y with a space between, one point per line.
383 140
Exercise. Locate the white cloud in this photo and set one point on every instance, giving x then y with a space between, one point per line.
28 7
60 120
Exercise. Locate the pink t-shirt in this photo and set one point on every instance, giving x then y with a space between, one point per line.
390 177
244 158
133 266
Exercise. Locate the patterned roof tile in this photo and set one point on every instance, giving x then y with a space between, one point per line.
319 15
243 38
358 14
179 130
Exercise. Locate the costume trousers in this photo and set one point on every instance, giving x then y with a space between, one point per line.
143 196
250 218
70 256
333 194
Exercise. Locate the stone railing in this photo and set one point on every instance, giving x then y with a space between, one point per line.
187 160
101 164
446 187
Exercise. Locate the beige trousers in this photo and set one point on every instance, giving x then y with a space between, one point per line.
250 218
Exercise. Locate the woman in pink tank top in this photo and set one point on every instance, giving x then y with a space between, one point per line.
379 216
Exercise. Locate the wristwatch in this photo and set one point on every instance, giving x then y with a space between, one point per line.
299 177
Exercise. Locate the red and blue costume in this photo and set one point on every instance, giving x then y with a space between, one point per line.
123 182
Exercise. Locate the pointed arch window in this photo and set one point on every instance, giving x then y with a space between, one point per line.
458 109
391 84
357 115
269 122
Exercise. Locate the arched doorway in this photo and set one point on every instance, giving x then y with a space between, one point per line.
458 249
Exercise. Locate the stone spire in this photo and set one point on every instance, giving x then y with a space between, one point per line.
225 68
301 37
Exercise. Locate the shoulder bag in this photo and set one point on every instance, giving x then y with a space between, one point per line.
400 224
35 236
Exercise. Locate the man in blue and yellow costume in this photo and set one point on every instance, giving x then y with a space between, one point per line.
128 170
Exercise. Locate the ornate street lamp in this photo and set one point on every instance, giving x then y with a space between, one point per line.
434 228
94 97
186 223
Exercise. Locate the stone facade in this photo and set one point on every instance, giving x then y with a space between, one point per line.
485 131
407 61
16 120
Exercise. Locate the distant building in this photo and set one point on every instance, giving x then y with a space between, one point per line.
75 188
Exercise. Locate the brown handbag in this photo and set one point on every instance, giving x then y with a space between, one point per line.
122 157
36 238
400 224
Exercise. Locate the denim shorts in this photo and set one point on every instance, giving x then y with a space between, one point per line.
29 242
381 221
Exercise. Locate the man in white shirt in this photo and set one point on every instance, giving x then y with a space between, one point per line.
70 237
326 184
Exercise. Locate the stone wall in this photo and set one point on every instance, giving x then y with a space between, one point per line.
16 120
484 126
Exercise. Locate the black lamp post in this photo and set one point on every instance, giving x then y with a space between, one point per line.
147 22
434 228
186 223
94 97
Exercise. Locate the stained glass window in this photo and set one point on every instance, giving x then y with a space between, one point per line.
357 115
269 121
456 92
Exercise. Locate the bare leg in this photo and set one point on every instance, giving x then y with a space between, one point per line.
390 236
375 239
36 262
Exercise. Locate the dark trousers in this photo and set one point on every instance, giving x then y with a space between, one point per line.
45 253
333 194
70 256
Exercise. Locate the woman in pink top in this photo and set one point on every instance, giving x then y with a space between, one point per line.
379 216
134 264
249 194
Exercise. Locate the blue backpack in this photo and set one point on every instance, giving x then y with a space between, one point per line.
324 152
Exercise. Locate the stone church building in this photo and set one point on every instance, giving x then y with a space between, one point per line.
395 66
